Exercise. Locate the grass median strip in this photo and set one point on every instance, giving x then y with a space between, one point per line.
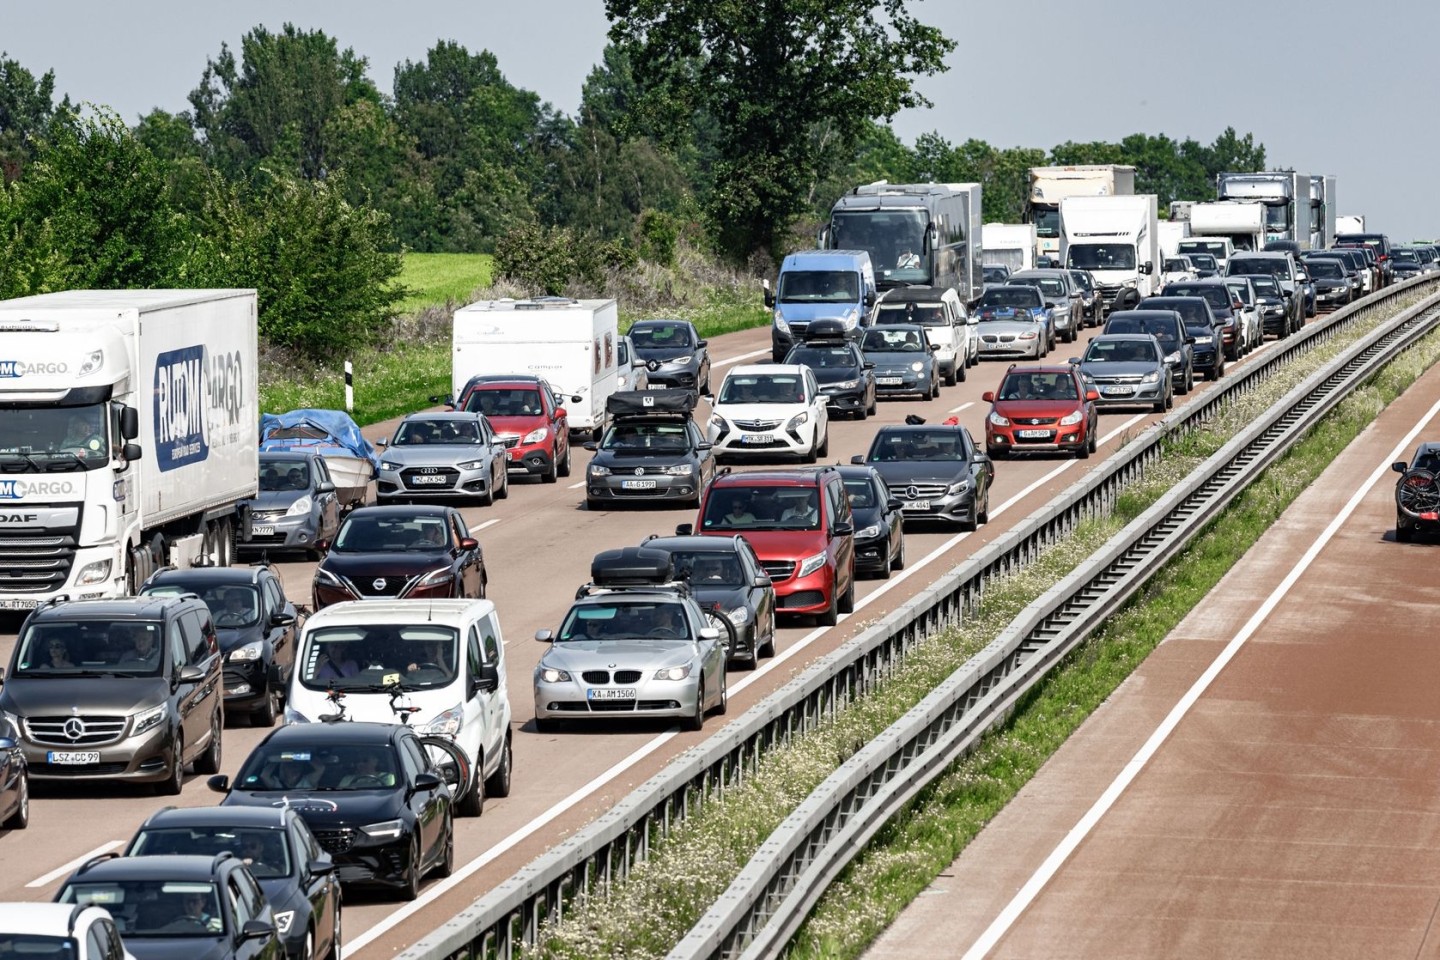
663 897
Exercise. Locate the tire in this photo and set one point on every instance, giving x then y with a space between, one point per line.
487 499
831 615
446 866
897 562
209 761
20 819
824 449
887 566
564 465
498 783
1084 452
551 474
308 951
952 375
960 367
723 707
811 455
870 410
935 387
846 603
503 492
472 804
696 722
269 713
336 938
983 516
175 782
411 890
767 649
1161 405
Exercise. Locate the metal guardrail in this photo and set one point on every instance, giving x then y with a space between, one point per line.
605 849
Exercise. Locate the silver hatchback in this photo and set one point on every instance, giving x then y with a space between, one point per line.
443 456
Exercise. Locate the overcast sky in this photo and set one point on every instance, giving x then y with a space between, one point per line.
1357 99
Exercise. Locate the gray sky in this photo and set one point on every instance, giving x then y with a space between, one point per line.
1358 105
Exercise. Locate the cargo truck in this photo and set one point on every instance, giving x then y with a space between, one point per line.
1283 195
917 234
1010 245
1050 185
1241 223
1352 223
129 431
572 344
1322 211
1171 233
1117 240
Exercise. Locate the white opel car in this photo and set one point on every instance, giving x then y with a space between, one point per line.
770 410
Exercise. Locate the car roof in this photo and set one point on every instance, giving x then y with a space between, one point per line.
796 477
287 455
752 369
161 867
1262 254
694 544
901 326
1128 335
402 510
1043 368
442 415
1149 313
451 612
854 471
116 608
37 918
1039 272
209 575
918 294
661 321
917 427
498 380
325 734
1198 282
268 818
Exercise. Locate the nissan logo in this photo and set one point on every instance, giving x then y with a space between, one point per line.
912 492
74 728
379 583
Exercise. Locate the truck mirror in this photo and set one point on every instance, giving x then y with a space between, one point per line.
1147 267
769 297
129 423
869 298
130 452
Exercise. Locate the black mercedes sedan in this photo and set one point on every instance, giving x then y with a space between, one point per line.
936 471
368 791
400 552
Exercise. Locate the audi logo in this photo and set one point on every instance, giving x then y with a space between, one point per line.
429 469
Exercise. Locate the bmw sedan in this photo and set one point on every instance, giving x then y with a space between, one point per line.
443 456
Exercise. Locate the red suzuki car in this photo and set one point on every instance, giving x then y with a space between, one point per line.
1042 409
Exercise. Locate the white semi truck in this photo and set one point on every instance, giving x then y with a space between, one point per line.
1116 239
1285 197
129 434
1050 185
1010 245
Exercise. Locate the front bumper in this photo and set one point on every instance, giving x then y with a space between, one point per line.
532 458
871 554
800 595
1047 438
893 383
844 401
628 692
269 531
360 859
953 508
732 440
1129 393
627 486
144 758
672 379
1010 345
449 483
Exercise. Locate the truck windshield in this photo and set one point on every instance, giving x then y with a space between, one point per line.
895 240
46 439
1277 216
1047 223
1102 256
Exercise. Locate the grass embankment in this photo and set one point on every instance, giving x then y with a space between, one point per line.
401 375
662 898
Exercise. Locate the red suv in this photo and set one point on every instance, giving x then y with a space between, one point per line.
528 419
1042 409
799 524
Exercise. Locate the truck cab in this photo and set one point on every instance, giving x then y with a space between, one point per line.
821 285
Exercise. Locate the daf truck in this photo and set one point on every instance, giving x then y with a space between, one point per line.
1010 245
1050 185
1117 240
1285 197
129 437
917 234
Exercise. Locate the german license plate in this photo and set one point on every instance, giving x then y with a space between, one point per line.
1033 434
612 693
72 757
757 437
1119 391
258 530
889 381
19 603
637 484
916 505
428 481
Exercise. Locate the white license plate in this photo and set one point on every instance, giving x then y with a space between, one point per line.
1119 391
612 693
428 481
258 530
637 484
72 757
19 604
889 381
1032 434
916 505
757 437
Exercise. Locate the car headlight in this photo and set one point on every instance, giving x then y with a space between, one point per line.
739 616
673 673
781 325
390 465
996 420
718 422
1152 377
1072 418
871 531
300 507
283 921
446 723
679 470
551 675
329 579
1027 335
810 564
471 464
798 420
959 487
599 470
95 572
250 651
436 577
384 830
845 384
146 719
917 366
536 435
1172 357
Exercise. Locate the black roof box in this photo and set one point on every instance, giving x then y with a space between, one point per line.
642 403
632 567
825 330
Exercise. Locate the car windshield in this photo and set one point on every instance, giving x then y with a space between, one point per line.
1274 266
1190 311
373 657
386 534
895 240
53 439
894 340
1277 216
1405 256
1011 295
770 508
1048 285
413 433
1038 386
153 908
1176 265
278 475
1101 256
1241 292
1204 261
641 438
266 851
825 286
1083 280
1328 269
1047 223
232 605
1120 351
1161 329
89 648
661 336
708 568
929 314
1215 248
762 388
1265 285
274 767
622 619
33 946
862 493
821 357
891 446
497 402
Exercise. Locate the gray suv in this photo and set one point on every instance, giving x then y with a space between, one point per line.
125 690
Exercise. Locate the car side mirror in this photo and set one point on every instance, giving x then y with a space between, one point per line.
320 868
684 529
425 782
281 619
190 674
487 679
382 442
934 348
323 544
762 581
1147 267
702 343
858 458
1400 466
220 783
769 297
704 445
256 930
1189 339
843 529
591 445
468 543
561 413
7 744
577 399
869 364
893 504
325 487
544 636
869 298
1092 394
988 396
709 633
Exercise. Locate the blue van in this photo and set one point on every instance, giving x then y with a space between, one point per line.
820 285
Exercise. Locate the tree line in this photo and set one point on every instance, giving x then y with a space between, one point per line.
733 127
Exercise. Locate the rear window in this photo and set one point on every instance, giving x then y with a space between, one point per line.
1275 267
1217 297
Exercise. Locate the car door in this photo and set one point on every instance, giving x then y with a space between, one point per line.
495 454
280 635
250 903
428 806
194 699
495 704
762 599
704 456
326 497
321 889
467 573
981 467
837 509
819 409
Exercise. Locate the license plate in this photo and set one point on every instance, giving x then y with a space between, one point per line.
637 484
1119 391
612 693
1033 434
258 530
916 505
72 757
889 381
19 604
428 481
757 437
515 454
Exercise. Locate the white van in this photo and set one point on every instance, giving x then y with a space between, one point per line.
448 658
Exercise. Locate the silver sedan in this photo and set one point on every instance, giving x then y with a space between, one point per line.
443 456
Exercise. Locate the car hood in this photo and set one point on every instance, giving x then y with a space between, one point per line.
759 411
1120 368
433 454
1020 324
1030 409
231 637
1330 283
824 375
784 544
636 458
667 356
654 653
327 809
899 475
388 564
275 499
895 358
727 598
37 697
824 310
281 893
178 948
514 426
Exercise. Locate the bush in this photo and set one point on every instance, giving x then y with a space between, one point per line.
658 232
537 257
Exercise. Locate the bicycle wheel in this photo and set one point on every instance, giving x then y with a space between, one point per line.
451 763
728 635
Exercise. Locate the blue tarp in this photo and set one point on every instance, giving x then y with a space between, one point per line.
316 431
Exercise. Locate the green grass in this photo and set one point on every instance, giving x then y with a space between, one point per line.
398 381
434 279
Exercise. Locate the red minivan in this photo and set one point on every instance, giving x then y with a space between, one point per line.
527 417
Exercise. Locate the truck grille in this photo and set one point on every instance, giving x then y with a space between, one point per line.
92 731
36 561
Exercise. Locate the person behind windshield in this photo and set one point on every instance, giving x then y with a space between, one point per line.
136 644
236 612
59 654
193 911
365 772
82 437
739 512
801 511
431 536
429 655
908 260
254 851
337 661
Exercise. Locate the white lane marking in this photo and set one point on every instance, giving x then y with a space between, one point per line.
438 890
576 486
64 869
487 523
736 359
1002 923
964 406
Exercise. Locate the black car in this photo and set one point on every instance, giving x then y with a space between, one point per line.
368 791
180 907
1168 327
125 690
400 552
936 471
1379 243
843 374
1275 313
1417 493
1223 307
297 504
1405 263
674 354
652 450
1333 286
879 522
298 877
14 781
256 627
1207 353
726 576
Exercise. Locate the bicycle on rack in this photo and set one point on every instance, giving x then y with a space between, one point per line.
447 756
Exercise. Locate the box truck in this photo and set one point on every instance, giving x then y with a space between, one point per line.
1010 245
1117 240
1050 185
1285 197
570 343
917 234
1223 226
129 432
1322 211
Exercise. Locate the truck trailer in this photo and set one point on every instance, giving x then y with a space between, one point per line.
1285 197
1322 211
1117 240
1050 185
129 434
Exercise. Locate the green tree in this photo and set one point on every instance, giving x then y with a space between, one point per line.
769 74
27 109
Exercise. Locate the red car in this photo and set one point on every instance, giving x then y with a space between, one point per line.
527 417
1042 410
799 524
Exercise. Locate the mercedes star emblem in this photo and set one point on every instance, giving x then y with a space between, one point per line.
912 492
74 728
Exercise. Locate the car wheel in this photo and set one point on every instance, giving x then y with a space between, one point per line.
897 562
269 711
870 410
952 375
564 468
768 648
446 866
487 499
723 705
846 603
209 761
20 819
824 449
1160 406
696 721
175 782
1083 453
810 455
935 387
887 565
498 783
983 516
335 931
831 616
473 803
1094 436
411 887
551 474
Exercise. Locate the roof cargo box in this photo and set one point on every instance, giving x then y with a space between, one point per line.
825 330
642 403
631 566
